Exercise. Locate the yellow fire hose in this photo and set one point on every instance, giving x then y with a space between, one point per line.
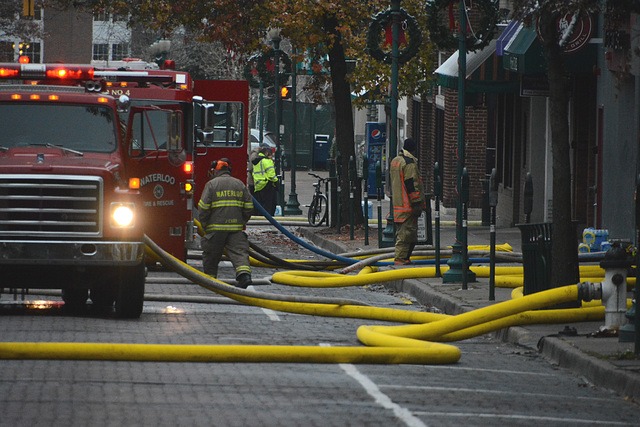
412 343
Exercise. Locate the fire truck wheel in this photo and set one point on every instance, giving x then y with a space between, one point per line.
130 296
74 298
103 296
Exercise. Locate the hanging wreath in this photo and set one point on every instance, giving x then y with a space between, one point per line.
266 68
476 39
251 72
383 21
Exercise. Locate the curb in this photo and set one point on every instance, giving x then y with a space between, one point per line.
596 371
555 350
321 242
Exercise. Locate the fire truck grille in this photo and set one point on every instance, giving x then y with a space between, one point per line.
50 206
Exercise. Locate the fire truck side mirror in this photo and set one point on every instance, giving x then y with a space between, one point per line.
174 132
124 103
204 113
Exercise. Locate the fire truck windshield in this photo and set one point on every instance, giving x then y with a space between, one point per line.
185 107
83 128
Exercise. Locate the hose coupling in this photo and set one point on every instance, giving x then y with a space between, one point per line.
588 291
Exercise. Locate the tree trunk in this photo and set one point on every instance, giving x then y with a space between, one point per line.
344 124
564 263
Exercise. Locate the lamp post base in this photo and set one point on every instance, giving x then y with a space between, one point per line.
455 272
293 206
388 235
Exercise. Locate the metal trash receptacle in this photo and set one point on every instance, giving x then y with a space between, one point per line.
536 256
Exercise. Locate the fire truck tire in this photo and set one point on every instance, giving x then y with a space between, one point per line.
130 298
74 298
103 296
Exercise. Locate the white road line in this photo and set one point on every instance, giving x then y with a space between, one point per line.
487 391
381 399
497 371
521 417
272 315
403 414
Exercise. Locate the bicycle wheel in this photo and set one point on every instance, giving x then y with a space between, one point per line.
318 210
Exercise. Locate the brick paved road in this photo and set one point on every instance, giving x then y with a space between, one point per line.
493 382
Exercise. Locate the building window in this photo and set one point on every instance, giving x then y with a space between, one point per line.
119 51
100 52
30 50
6 52
372 113
107 17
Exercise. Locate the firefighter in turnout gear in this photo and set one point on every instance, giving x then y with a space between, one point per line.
223 211
265 180
408 201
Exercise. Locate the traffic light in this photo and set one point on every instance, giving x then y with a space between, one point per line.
285 92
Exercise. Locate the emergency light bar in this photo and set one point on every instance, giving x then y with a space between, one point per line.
46 71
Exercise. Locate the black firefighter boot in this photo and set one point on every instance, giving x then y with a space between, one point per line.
243 280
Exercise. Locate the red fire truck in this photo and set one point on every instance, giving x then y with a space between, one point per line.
214 117
71 214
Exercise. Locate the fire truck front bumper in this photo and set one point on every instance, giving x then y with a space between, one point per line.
88 253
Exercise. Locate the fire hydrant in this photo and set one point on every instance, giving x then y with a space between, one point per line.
616 264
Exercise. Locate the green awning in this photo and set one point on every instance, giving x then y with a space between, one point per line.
523 54
485 73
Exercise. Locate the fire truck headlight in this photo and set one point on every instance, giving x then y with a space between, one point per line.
122 215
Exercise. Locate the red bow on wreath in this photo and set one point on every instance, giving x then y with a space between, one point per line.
388 37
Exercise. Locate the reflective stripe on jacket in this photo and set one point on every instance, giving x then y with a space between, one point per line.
264 172
225 205
406 186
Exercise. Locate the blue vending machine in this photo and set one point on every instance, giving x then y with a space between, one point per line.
376 152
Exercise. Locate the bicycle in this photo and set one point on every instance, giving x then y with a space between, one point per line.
319 207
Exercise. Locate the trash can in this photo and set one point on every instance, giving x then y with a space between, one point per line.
320 151
536 256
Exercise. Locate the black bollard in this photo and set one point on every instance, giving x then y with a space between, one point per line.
437 191
493 202
352 185
365 196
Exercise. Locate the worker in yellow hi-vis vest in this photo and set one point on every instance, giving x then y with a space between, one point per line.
265 180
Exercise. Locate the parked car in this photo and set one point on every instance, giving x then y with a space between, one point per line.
268 138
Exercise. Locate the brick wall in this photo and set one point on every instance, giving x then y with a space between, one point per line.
475 150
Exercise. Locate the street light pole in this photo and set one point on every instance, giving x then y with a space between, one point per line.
293 206
274 36
456 264
389 239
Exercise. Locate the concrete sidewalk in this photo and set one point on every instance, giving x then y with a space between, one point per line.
604 361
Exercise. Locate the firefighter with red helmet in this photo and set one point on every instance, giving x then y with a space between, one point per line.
223 211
